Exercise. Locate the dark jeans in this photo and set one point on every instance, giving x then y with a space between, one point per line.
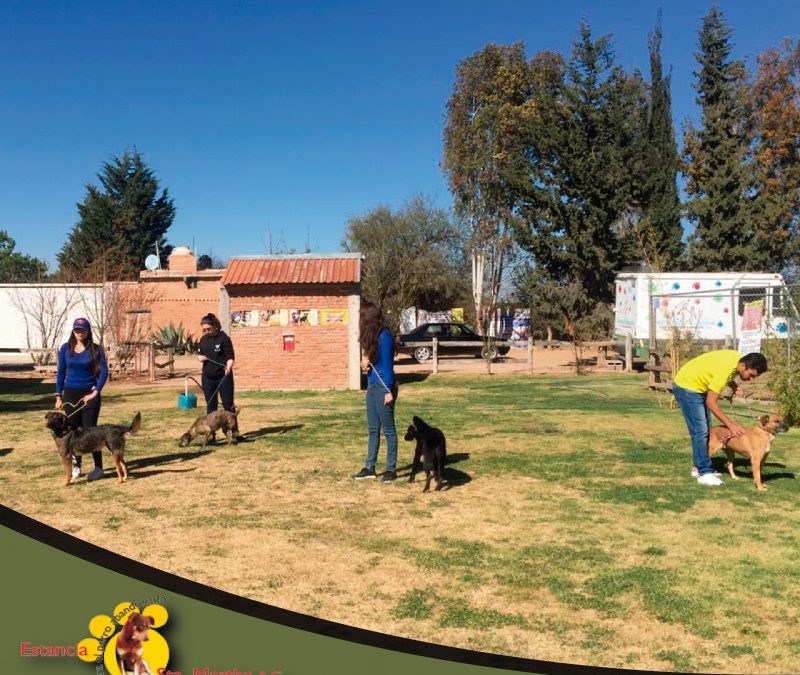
225 385
698 421
380 416
87 417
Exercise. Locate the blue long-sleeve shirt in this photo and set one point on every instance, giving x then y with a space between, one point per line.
75 370
385 364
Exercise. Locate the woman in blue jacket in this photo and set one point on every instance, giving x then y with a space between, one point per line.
82 372
377 344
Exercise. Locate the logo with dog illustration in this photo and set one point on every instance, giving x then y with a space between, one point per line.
127 643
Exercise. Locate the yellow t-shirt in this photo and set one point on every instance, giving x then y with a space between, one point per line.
708 372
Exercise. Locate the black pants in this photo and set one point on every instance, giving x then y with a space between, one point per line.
86 417
225 385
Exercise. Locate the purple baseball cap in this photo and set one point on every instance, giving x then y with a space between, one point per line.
81 323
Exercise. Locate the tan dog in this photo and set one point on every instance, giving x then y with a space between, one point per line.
755 443
208 425
129 644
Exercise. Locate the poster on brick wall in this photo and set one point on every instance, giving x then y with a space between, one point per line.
334 317
312 316
246 318
269 317
240 318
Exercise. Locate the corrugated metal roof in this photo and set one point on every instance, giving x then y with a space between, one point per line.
293 270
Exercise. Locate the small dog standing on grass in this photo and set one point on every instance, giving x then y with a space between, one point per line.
755 444
208 425
431 449
72 443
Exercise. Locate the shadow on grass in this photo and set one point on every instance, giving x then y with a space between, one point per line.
452 477
29 394
456 457
5 451
146 474
251 436
455 478
740 469
28 404
155 460
408 378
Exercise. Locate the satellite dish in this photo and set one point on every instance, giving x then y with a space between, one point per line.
152 262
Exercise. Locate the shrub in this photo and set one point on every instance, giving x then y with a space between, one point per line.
784 375
181 341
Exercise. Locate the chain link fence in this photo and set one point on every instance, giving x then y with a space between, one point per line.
684 324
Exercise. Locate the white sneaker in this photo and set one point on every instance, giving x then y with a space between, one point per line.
76 471
696 474
709 479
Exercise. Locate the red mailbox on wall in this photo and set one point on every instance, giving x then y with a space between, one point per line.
288 343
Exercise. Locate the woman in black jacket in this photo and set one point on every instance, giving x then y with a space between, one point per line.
216 355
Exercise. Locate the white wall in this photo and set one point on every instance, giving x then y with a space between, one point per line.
19 300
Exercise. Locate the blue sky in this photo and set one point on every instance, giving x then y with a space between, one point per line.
282 116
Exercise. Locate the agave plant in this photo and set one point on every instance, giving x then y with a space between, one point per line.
178 338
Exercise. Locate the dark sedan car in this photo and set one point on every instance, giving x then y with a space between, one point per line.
446 333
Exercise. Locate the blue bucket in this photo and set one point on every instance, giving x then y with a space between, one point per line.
187 401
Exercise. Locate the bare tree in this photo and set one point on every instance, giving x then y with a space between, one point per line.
44 310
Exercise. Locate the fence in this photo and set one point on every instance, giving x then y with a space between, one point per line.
683 325
604 353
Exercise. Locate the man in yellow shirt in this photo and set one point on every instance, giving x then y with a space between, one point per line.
697 387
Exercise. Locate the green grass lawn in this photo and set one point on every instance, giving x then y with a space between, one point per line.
570 530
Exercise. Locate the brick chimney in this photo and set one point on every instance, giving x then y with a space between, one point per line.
181 260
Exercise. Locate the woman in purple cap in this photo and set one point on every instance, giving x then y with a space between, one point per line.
82 372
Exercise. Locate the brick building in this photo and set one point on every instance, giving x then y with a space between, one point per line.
179 294
294 320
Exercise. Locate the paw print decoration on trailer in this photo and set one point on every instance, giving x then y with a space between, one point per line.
127 642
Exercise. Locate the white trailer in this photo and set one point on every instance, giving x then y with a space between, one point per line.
707 304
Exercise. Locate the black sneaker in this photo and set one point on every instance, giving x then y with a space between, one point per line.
388 475
364 473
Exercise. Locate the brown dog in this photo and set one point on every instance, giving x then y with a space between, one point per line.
208 425
755 444
129 644
71 442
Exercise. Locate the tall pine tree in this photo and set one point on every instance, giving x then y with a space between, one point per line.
660 228
578 206
715 156
120 223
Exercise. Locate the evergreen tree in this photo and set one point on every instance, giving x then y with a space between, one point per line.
578 207
660 229
715 156
18 268
120 222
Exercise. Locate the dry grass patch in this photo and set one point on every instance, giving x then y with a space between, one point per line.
570 531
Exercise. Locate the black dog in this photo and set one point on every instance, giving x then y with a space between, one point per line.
70 442
431 448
